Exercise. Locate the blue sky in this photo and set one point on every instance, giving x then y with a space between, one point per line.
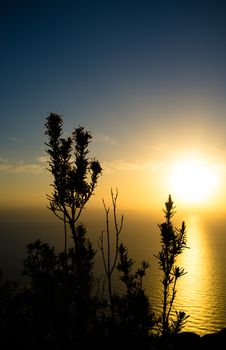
144 77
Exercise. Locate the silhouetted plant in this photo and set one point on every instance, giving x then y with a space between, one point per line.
131 312
109 259
133 281
15 319
59 299
75 175
173 242
135 310
58 309
44 298
75 178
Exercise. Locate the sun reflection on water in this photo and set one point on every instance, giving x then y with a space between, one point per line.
196 290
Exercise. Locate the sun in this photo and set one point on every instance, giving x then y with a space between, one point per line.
193 181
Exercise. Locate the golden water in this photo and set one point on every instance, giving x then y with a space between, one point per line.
201 293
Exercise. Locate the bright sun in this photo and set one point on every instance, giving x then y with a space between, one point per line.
193 181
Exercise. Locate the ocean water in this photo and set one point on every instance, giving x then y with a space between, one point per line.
201 293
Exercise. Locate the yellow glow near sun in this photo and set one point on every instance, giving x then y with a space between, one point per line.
193 181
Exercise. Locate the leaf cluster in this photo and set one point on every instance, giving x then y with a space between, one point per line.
75 175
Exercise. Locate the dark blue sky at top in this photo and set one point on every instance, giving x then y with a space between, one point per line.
84 58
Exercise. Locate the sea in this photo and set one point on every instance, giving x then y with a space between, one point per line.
201 292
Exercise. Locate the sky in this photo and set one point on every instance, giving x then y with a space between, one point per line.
146 78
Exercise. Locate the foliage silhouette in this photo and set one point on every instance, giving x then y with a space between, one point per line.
173 242
60 306
135 309
75 178
57 309
109 262
131 313
61 298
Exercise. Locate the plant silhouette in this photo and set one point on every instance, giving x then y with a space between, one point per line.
75 175
109 260
131 318
60 306
58 298
173 242
75 178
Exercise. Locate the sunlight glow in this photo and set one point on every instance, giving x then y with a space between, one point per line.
193 181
